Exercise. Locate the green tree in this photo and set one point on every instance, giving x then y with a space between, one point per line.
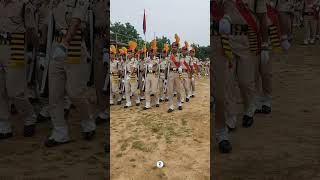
124 33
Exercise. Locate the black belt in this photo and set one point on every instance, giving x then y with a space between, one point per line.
308 13
151 72
162 70
236 29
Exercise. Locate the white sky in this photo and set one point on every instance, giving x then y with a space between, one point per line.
190 19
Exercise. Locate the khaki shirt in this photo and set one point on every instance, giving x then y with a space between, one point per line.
186 60
11 19
178 59
115 66
64 11
309 5
284 5
151 64
235 16
131 66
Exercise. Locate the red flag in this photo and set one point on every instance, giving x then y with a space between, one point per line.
144 22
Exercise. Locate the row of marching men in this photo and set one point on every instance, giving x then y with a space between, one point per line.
147 75
303 13
44 58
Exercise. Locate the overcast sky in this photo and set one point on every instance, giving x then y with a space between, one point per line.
189 18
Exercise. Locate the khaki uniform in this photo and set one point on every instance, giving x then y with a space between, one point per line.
131 81
186 81
194 75
101 41
162 83
310 21
174 81
115 69
69 71
152 79
13 84
244 66
141 78
285 9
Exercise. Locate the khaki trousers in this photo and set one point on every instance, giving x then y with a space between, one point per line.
185 81
161 87
264 83
152 88
174 83
13 89
114 88
131 86
310 27
73 78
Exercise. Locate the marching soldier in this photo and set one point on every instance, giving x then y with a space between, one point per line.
14 30
311 16
68 70
163 73
237 28
131 76
115 72
152 77
284 8
186 72
174 75
142 72
100 53
195 71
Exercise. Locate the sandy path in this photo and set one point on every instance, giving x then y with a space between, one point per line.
180 139
28 158
284 145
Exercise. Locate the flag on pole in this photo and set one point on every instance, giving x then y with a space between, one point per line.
144 22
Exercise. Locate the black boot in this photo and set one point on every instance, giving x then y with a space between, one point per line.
247 121
225 146
42 118
5 135
29 130
88 135
170 110
53 143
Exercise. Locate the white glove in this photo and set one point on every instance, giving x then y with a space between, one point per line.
180 69
192 78
224 26
59 51
142 79
285 44
105 56
122 80
265 56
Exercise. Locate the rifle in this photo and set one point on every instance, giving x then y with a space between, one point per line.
48 48
91 27
33 63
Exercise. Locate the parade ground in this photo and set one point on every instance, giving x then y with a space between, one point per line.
28 158
180 139
286 143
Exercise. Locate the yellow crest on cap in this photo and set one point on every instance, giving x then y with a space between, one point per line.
166 47
154 45
123 50
177 39
132 45
186 45
113 49
144 49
